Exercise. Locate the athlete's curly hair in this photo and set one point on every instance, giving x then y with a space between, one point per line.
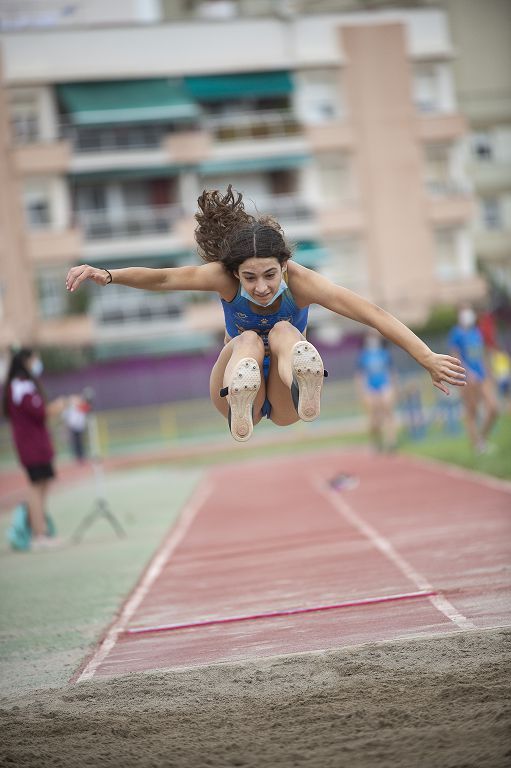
226 233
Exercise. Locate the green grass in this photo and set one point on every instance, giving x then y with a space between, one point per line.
456 449
54 605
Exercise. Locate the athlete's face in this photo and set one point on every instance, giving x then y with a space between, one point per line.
261 278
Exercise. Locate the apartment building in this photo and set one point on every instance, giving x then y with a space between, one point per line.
345 126
482 71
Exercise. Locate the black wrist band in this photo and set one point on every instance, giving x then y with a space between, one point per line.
108 273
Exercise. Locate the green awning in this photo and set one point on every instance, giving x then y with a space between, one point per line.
310 254
243 86
252 164
125 174
126 101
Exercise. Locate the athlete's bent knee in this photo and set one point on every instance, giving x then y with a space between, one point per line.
250 339
280 329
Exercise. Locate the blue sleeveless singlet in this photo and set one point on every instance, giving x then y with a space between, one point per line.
239 317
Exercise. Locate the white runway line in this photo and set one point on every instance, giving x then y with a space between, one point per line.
162 556
385 547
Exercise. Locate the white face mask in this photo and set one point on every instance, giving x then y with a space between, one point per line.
37 367
467 318
282 287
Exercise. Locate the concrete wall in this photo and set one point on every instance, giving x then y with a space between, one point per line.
17 299
389 165
179 48
482 39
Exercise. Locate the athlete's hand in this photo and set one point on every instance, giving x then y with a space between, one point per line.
77 275
444 370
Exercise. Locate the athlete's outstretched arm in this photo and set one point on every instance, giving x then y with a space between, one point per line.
207 277
314 288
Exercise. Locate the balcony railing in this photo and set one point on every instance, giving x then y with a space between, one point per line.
122 307
116 138
284 207
145 313
241 126
25 131
253 125
447 188
131 222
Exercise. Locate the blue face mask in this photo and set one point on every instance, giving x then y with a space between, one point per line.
282 287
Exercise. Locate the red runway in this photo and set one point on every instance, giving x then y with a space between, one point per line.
420 550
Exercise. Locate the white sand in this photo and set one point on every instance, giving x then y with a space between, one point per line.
443 703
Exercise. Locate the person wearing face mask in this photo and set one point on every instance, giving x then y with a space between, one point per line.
376 388
267 367
466 341
26 409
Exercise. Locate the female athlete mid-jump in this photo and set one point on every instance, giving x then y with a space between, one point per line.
267 367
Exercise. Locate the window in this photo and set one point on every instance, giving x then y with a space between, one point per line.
24 110
36 196
38 214
491 213
121 306
52 294
448 265
438 174
482 146
319 97
217 10
283 182
90 197
425 88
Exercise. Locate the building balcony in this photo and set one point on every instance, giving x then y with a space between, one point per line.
470 289
136 222
55 246
490 176
330 136
69 331
441 127
296 216
493 244
124 309
52 157
448 203
253 126
162 319
285 208
89 140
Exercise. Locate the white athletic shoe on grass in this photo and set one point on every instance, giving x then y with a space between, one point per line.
43 543
308 373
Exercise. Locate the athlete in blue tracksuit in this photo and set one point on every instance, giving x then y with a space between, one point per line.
466 341
267 366
375 384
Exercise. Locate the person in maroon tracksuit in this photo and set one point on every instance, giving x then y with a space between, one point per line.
26 409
